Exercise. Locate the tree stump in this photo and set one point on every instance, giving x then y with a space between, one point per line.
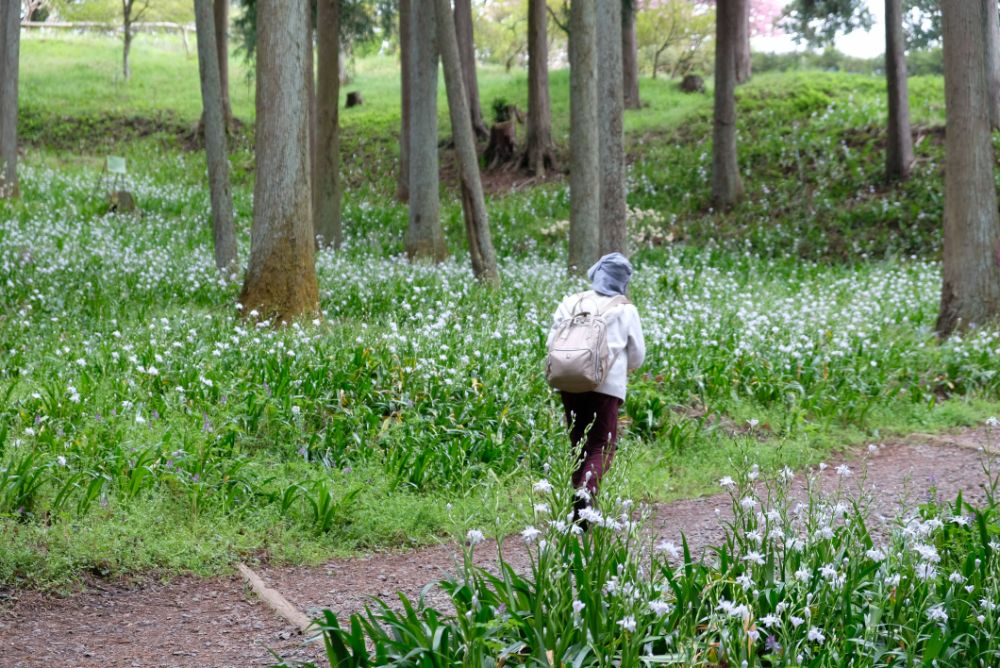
502 148
121 201
692 83
354 99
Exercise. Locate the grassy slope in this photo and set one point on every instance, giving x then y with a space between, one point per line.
804 187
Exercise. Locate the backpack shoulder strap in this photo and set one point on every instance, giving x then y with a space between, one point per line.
620 300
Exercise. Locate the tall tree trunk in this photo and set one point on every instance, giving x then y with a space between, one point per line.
614 230
727 187
970 293
326 188
310 76
281 278
899 149
223 231
467 52
539 152
477 225
424 236
992 37
584 174
10 42
630 56
743 41
405 51
126 48
222 46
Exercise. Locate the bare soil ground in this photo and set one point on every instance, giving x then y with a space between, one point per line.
217 622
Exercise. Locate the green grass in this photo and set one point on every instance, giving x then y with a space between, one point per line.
418 405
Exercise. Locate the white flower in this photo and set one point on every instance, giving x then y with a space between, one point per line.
815 635
844 471
803 574
872 449
474 537
754 557
992 421
893 580
668 546
139 419
828 571
748 503
796 621
542 487
530 533
628 624
956 577
960 520
588 514
542 508
875 554
660 607
770 620
61 460
727 482
578 606
753 422
928 553
926 571
296 410
936 613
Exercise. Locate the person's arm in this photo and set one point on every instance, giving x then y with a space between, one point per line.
635 344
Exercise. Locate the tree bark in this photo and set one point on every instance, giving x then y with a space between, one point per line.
309 74
424 236
222 47
970 293
281 277
326 188
992 47
10 43
467 53
585 182
127 45
630 56
614 229
899 149
727 187
742 41
539 152
223 230
484 261
405 50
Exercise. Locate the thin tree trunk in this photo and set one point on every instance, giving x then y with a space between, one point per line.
614 230
326 188
585 181
539 152
899 149
405 50
126 49
727 187
310 76
484 261
743 41
281 277
630 56
222 47
223 231
424 236
970 293
467 52
10 39
992 36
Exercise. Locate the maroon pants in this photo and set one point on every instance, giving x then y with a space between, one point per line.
594 417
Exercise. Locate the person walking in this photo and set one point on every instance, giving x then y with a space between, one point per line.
592 414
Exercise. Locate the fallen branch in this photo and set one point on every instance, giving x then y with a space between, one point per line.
276 601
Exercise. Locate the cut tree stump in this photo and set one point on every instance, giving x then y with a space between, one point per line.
502 149
274 600
354 99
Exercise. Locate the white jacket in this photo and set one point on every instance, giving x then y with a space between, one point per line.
625 342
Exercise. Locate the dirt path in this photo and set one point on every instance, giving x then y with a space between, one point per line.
214 623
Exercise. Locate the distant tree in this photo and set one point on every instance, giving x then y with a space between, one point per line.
132 11
611 105
280 281
424 236
675 35
326 187
743 42
584 173
10 41
899 149
405 53
539 152
817 22
223 231
477 226
970 293
467 52
630 55
727 186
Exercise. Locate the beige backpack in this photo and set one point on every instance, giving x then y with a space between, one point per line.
578 358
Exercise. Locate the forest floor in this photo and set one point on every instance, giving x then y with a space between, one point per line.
218 622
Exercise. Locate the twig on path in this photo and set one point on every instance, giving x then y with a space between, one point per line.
277 602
